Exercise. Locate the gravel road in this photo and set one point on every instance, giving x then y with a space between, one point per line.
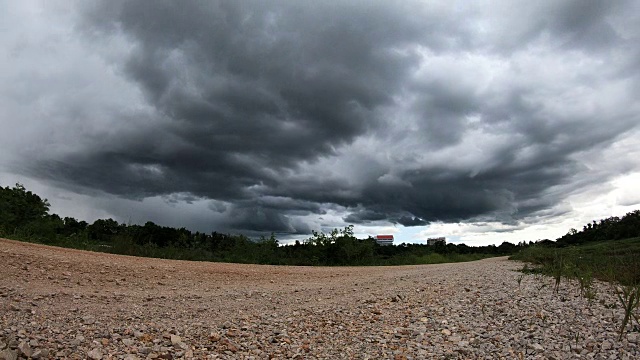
62 303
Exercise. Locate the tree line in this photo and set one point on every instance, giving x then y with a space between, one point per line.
611 228
25 216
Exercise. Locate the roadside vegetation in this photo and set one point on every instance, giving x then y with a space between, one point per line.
608 250
25 216
616 261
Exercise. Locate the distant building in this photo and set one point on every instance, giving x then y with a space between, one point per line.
384 239
438 240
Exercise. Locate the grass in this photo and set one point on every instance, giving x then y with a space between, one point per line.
629 297
613 261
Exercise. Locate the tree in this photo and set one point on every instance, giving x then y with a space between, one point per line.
20 208
103 230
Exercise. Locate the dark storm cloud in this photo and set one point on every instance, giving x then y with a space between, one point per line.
400 112
411 221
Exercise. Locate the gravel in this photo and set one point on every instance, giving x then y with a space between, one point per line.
62 303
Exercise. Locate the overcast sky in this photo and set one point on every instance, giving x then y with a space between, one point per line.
482 121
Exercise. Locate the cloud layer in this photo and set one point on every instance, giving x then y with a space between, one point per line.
278 113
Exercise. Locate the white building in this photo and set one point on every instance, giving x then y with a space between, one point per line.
384 239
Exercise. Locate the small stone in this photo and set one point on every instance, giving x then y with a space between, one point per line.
88 320
38 354
128 342
95 354
8 355
446 332
227 325
42 353
537 347
25 349
232 347
175 339
632 338
14 307
606 345
215 337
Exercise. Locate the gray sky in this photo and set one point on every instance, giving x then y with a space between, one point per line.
482 121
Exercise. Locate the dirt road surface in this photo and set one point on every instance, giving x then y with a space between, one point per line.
62 303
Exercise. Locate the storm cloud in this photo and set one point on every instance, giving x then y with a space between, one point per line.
275 113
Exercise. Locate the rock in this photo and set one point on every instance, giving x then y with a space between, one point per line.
88 320
14 307
175 339
632 338
95 354
227 325
232 347
40 354
7 354
537 347
128 342
25 349
606 345
446 332
12 343
131 357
